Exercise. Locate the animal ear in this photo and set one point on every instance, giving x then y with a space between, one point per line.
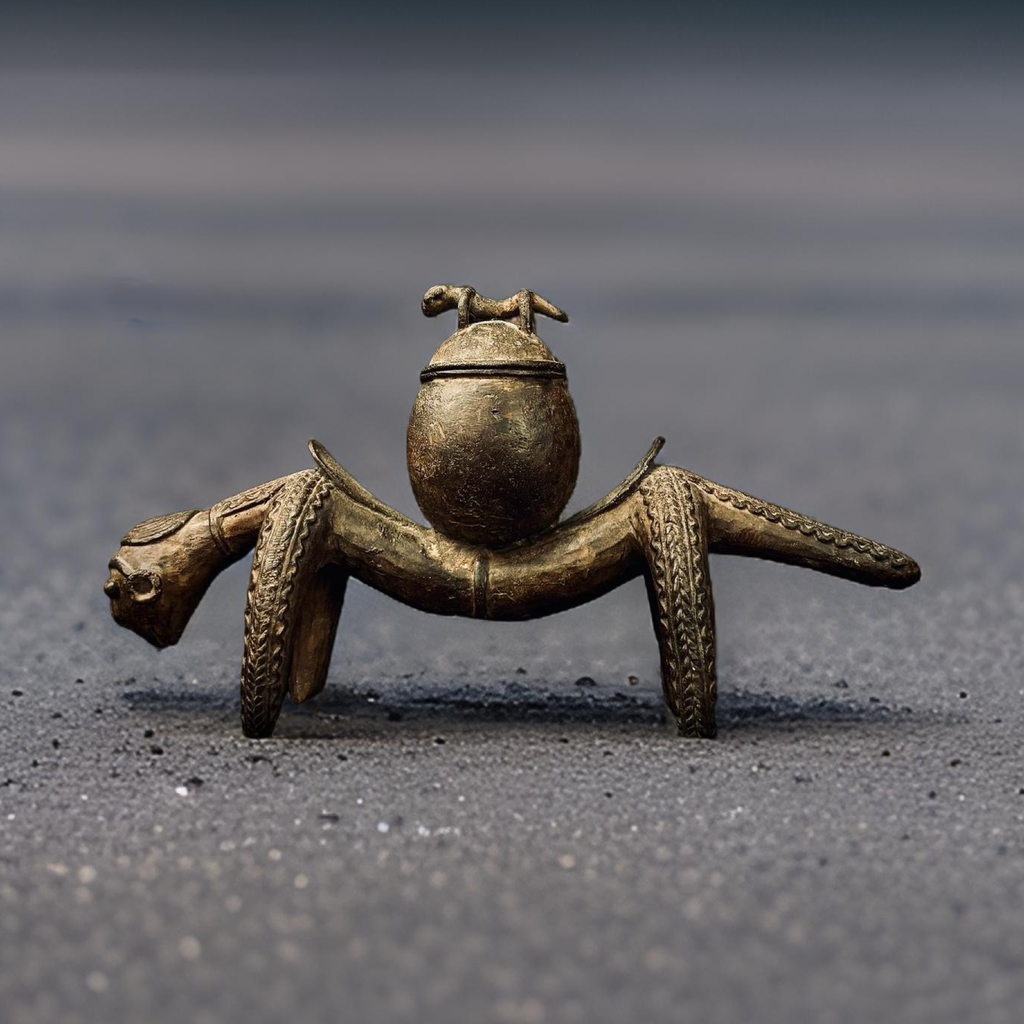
145 586
158 528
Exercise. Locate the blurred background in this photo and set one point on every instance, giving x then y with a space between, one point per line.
790 239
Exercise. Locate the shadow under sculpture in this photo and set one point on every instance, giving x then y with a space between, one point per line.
493 450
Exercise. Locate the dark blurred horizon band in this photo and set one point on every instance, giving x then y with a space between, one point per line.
950 38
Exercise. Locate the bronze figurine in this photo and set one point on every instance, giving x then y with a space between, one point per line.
493 450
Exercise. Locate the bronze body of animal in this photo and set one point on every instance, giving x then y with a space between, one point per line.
493 450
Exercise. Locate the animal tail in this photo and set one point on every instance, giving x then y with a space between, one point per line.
744 525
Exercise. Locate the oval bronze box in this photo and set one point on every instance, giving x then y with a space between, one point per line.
493 441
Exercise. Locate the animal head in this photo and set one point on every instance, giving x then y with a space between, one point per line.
157 577
438 299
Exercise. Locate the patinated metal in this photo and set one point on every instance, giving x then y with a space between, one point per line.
493 449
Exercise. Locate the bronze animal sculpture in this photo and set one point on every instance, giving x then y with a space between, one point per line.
493 450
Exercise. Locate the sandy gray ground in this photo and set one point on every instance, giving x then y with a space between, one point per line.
812 286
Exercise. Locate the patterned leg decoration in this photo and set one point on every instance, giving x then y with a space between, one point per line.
674 534
285 574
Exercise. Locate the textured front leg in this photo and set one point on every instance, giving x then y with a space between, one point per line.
290 551
673 529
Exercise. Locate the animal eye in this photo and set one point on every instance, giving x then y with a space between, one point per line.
145 586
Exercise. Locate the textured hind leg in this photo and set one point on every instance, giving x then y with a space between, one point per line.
673 530
289 553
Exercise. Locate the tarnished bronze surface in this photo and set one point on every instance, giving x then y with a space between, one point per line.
493 443
493 453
